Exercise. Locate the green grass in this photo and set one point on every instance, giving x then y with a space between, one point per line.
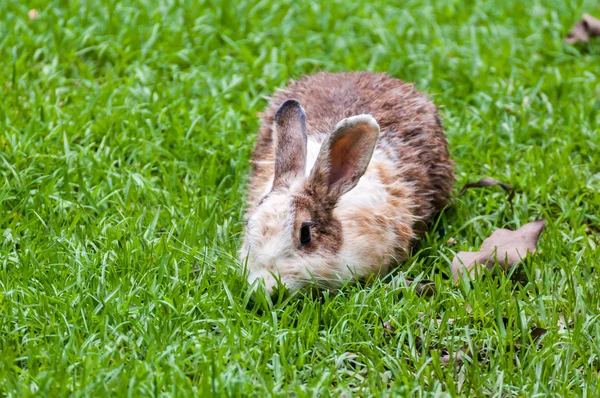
125 134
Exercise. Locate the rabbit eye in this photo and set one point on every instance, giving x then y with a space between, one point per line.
305 233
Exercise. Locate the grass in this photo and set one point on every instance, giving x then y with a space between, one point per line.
125 134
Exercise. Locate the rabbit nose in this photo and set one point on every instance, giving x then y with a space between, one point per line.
268 280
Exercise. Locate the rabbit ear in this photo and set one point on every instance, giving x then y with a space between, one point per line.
290 143
344 157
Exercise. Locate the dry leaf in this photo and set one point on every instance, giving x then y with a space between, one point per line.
438 322
424 287
506 246
536 333
564 324
583 30
451 242
388 329
489 182
33 14
456 357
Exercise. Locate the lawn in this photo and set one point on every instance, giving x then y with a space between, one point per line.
125 135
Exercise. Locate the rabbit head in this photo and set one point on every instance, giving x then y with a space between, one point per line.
292 236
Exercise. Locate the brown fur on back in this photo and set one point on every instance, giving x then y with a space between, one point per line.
411 132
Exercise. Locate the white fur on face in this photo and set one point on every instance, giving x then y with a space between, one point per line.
269 246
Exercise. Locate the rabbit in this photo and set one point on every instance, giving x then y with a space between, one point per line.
346 170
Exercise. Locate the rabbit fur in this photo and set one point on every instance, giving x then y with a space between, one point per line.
346 171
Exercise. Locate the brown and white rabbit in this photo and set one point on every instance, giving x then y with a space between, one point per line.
346 169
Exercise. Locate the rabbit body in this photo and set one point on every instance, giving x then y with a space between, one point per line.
343 178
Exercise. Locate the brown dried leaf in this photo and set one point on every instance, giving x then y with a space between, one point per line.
457 357
424 287
506 246
445 358
536 333
489 182
583 30
389 329
564 324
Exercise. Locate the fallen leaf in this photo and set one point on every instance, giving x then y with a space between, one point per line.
506 246
387 376
389 329
591 226
564 324
583 30
489 182
451 242
424 287
456 357
438 322
536 333
445 358
33 14
418 342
